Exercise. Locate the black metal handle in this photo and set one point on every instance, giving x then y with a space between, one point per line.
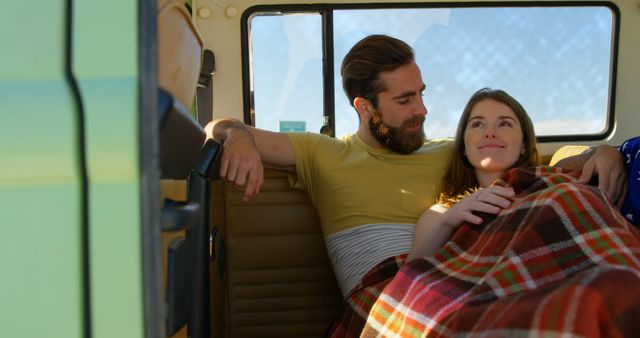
180 215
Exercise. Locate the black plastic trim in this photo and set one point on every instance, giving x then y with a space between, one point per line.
246 75
204 91
328 88
150 218
84 177
328 8
180 215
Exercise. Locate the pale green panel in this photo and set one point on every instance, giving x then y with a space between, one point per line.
112 141
40 256
105 58
40 236
111 120
32 36
38 133
115 258
105 38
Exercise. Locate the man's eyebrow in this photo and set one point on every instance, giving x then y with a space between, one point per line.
409 93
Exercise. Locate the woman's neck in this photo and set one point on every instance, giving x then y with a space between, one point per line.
485 178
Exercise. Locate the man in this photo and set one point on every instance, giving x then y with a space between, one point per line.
370 188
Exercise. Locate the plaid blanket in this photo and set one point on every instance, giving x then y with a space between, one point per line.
355 310
559 262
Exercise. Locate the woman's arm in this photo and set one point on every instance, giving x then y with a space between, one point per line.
437 224
431 234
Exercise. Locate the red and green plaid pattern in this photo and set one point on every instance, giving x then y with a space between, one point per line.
559 262
355 310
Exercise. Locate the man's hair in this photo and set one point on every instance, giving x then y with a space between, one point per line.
365 61
460 178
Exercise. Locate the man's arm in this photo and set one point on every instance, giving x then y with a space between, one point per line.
606 163
246 149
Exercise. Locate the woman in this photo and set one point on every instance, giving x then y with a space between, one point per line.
494 134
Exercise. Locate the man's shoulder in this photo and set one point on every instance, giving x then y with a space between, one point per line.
311 136
314 142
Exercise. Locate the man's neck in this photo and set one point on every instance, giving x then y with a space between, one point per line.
366 137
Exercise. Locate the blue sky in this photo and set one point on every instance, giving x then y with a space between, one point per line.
555 61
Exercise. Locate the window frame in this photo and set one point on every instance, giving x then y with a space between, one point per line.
328 62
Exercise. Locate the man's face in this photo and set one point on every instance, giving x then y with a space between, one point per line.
397 122
405 139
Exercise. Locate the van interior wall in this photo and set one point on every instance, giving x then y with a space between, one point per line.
219 24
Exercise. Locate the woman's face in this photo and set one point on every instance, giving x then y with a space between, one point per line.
493 138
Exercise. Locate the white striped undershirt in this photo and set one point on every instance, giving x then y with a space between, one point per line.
355 251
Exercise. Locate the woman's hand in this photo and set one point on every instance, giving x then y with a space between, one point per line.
489 200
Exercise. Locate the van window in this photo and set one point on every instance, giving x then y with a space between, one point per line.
287 67
557 61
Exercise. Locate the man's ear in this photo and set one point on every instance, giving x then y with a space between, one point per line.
363 107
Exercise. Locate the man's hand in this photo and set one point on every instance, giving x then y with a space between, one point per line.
245 149
607 163
241 163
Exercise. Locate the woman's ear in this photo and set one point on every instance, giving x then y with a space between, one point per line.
363 107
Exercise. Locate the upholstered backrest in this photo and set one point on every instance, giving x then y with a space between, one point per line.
566 151
276 280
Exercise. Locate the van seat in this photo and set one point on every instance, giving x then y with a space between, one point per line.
566 151
277 278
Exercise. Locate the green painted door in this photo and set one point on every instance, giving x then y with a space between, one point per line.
105 65
70 229
41 288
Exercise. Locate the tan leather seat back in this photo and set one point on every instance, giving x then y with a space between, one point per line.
278 282
179 52
567 151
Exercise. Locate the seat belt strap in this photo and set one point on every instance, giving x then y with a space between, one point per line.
204 91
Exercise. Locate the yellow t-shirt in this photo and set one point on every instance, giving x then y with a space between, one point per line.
351 183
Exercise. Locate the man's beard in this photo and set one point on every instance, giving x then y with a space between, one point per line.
397 139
